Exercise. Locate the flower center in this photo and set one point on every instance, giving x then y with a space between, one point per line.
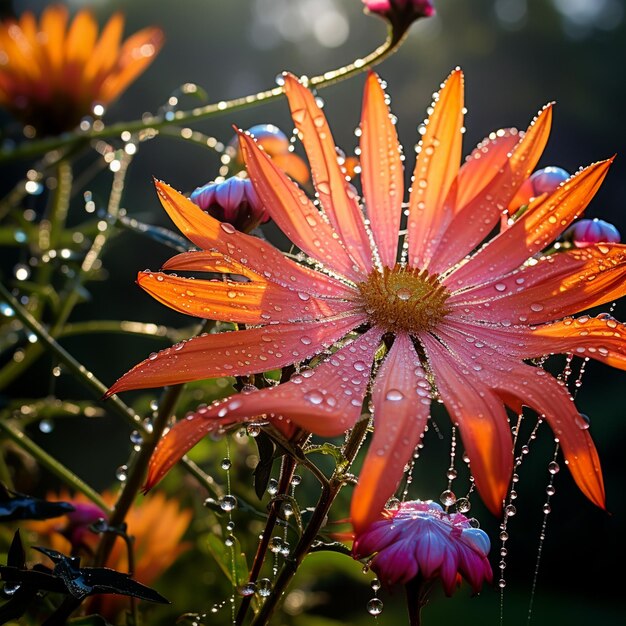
404 299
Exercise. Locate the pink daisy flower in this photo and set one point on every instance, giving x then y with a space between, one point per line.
457 317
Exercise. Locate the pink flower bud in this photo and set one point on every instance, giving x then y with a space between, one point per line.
419 538
400 13
233 201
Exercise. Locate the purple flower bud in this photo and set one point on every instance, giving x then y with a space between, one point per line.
548 179
78 523
233 201
587 232
421 538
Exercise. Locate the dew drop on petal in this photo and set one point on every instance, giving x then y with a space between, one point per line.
394 395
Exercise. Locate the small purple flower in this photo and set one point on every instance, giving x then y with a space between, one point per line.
419 539
79 521
233 201
587 232
400 13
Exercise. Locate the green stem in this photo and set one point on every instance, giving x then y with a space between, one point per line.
156 122
287 469
329 493
46 341
137 471
33 351
49 462
124 327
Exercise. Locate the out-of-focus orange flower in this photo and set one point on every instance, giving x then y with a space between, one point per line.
51 75
157 525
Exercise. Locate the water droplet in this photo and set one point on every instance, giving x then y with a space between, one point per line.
272 487
225 464
447 497
546 508
276 545
536 307
136 438
403 294
264 587
500 287
463 505
9 589
227 228
510 510
253 430
314 397
248 589
375 606
296 480
553 467
451 473
394 395
228 503
121 473
46 426
229 541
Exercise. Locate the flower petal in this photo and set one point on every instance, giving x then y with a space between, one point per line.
473 222
382 174
556 286
535 388
481 418
337 199
326 400
210 234
430 549
234 301
235 353
293 212
544 220
485 161
436 167
137 52
106 50
401 408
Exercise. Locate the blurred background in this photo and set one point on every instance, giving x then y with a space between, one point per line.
517 55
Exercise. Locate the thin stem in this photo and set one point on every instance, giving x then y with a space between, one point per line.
336 482
417 590
287 469
81 373
13 369
49 462
138 470
155 122
124 327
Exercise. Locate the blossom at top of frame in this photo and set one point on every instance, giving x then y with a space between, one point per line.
233 201
457 311
276 145
53 73
400 13
584 233
417 538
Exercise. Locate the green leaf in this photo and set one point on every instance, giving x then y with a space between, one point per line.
263 471
224 556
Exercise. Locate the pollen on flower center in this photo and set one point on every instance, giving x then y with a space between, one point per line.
404 299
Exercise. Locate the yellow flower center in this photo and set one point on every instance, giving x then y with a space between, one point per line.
404 299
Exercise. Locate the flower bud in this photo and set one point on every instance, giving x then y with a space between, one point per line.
400 13
233 201
420 538
276 145
587 232
542 181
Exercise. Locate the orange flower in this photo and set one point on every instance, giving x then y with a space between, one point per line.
458 319
50 78
157 525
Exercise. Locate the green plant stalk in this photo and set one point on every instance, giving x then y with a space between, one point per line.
137 471
122 327
329 493
49 462
71 364
287 469
15 368
156 122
